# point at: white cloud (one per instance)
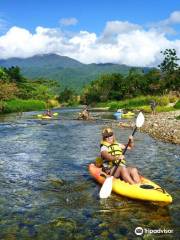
(120, 42)
(173, 18)
(118, 27)
(68, 21)
(166, 25)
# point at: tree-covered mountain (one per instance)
(67, 71)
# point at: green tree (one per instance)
(8, 91)
(14, 74)
(169, 64)
(170, 69)
(4, 77)
(151, 83)
(67, 95)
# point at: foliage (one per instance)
(173, 98)
(69, 72)
(51, 103)
(177, 105)
(8, 90)
(140, 103)
(117, 87)
(68, 96)
(170, 70)
(169, 64)
(130, 103)
(14, 85)
(19, 105)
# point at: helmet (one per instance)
(107, 132)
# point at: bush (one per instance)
(164, 109)
(163, 101)
(145, 109)
(53, 103)
(19, 105)
(172, 99)
(177, 105)
(130, 104)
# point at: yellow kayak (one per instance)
(46, 116)
(146, 190)
(128, 115)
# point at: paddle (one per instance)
(106, 188)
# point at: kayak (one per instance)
(46, 116)
(146, 190)
(128, 115)
(117, 115)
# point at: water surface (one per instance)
(46, 190)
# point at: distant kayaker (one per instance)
(85, 115)
(48, 113)
(111, 152)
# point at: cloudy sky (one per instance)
(131, 32)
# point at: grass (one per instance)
(19, 105)
(142, 103)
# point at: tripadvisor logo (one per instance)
(140, 231)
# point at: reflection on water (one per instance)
(47, 193)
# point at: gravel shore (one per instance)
(163, 126)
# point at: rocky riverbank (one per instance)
(163, 126)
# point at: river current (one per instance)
(46, 191)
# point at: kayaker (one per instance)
(111, 152)
(48, 113)
(85, 115)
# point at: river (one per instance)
(47, 192)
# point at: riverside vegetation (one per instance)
(132, 91)
(19, 94)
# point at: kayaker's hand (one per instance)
(131, 138)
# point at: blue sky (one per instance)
(90, 30)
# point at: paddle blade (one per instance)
(106, 188)
(140, 120)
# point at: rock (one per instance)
(163, 126)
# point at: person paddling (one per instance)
(111, 153)
(48, 113)
(85, 115)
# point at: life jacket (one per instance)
(115, 150)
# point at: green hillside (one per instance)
(68, 71)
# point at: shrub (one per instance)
(19, 105)
(163, 101)
(177, 105)
(164, 109)
(172, 99)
